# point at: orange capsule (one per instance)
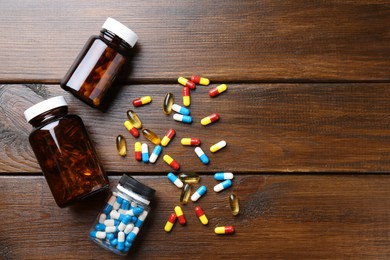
(186, 83)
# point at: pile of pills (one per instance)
(183, 181)
(119, 223)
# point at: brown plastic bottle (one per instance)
(64, 152)
(94, 71)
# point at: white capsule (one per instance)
(143, 215)
(109, 222)
(111, 229)
(129, 228)
(102, 218)
(114, 214)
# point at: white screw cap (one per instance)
(121, 30)
(44, 106)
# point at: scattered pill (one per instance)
(142, 101)
(182, 118)
(224, 230)
(218, 90)
(221, 176)
(186, 83)
(121, 145)
(134, 119)
(151, 136)
(168, 137)
(186, 96)
(190, 141)
(202, 156)
(181, 110)
(180, 215)
(175, 180)
(168, 102)
(199, 193)
(210, 119)
(171, 221)
(202, 217)
(155, 154)
(200, 80)
(218, 146)
(223, 185)
(145, 153)
(185, 194)
(133, 131)
(138, 151)
(190, 178)
(234, 204)
(171, 162)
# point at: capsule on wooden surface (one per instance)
(168, 102)
(151, 136)
(121, 145)
(234, 204)
(190, 178)
(185, 194)
(134, 119)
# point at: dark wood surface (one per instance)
(306, 119)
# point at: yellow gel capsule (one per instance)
(185, 194)
(234, 204)
(190, 178)
(151, 136)
(134, 119)
(218, 146)
(121, 145)
(168, 102)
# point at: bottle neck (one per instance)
(49, 116)
(115, 41)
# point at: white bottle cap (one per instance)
(44, 106)
(121, 30)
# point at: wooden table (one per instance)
(306, 118)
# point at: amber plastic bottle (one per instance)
(64, 152)
(94, 71)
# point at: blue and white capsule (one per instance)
(121, 241)
(202, 156)
(182, 118)
(223, 185)
(141, 219)
(117, 203)
(145, 152)
(155, 154)
(173, 178)
(221, 176)
(126, 220)
(134, 211)
(180, 110)
(130, 238)
(109, 205)
(199, 193)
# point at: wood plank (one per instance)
(268, 127)
(286, 216)
(230, 41)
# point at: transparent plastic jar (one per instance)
(119, 223)
(64, 152)
(94, 71)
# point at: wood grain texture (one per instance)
(295, 216)
(233, 41)
(268, 128)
